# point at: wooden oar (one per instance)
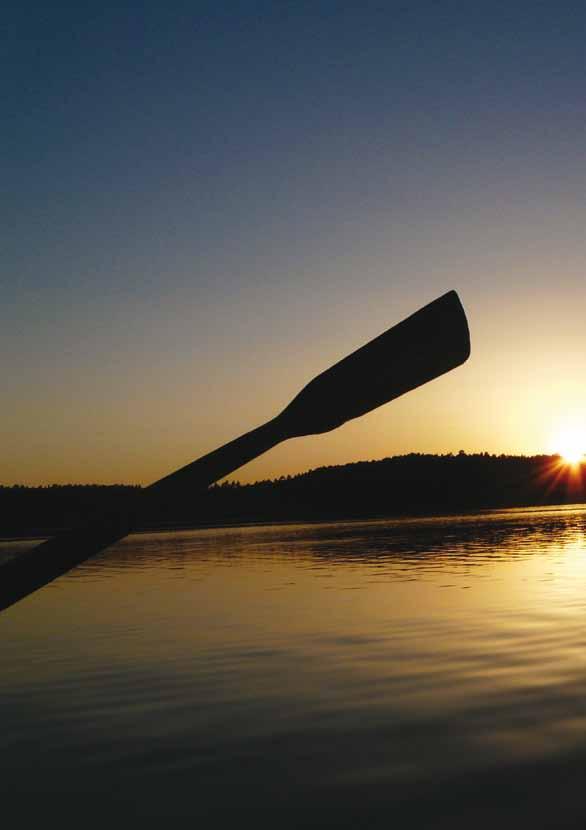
(432, 341)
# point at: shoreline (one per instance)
(46, 533)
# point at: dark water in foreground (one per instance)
(429, 672)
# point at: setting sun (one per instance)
(569, 441)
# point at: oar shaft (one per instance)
(42, 564)
(223, 461)
(45, 562)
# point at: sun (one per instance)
(571, 455)
(569, 441)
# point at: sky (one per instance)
(206, 204)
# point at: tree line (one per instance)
(412, 484)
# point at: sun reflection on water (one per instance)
(386, 655)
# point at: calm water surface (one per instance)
(429, 672)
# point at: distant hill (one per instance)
(400, 485)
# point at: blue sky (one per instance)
(206, 204)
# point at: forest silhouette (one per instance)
(414, 484)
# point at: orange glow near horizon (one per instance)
(509, 397)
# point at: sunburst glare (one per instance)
(569, 440)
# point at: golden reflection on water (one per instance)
(438, 645)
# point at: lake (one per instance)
(430, 672)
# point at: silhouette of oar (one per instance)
(432, 341)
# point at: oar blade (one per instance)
(420, 348)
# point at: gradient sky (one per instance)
(206, 204)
